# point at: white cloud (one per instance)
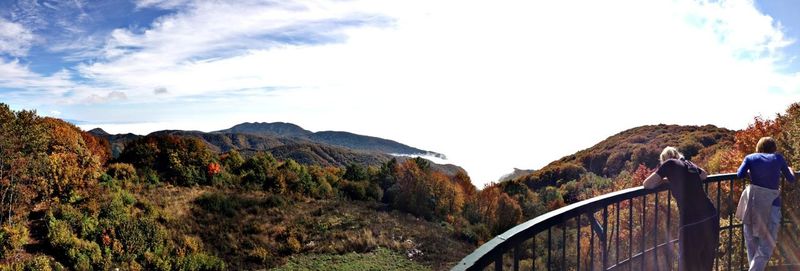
(163, 4)
(32, 89)
(206, 34)
(15, 39)
(17, 76)
(111, 96)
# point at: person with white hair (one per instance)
(699, 220)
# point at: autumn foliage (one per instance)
(746, 139)
(213, 169)
(66, 180)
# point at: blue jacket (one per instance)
(765, 170)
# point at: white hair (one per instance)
(670, 153)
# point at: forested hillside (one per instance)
(626, 151)
(169, 202)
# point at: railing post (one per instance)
(630, 234)
(533, 252)
(564, 245)
(730, 224)
(605, 238)
(549, 246)
(655, 233)
(644, 234)
(592, 223)
(669, 230)
(717, 262)
(617, 227)
(578, 243)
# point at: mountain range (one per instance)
(287, 140)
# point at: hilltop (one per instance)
(627, 150)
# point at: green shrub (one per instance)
(141, 235)
(12, 238)
(225, 178)
(82, 225)
(475, 233)
(355, 190)
(149, 176)
(223, 204)
(154, 261)
(105, 178)
(59, 234)
(275, 201)
(200, 262)
(374, 192)
(122, 171)
(42, 263)
(81, 254)
(356, 172)
(114, 211)
(323, 190)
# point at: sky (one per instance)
(494, 85)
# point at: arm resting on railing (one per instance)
(653, 181)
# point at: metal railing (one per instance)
(631, 229)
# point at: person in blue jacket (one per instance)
(765, 168)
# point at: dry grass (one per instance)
(249, 233)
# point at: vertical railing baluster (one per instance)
(669, 230)
(644, 214)
(564, 245)
(616, 226)
(517, 253)
(498, 262)
(605, 237)
(655, 233)
(578, 244)
(533, 251)
(591, 242)
(549, 244)
(730, 224)
(630, 234)
(719, 209)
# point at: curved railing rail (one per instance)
(587, 234)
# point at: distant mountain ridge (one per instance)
(99, 132)
(287, 140)
(268, 128)
(335, 138)
(515, 174)
(368, 143)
